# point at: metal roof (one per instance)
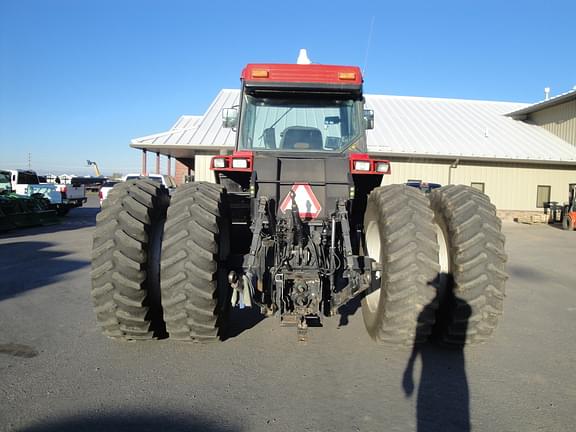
(195, 132)
(404, 126)
(456, 128)
(186, 122)
(538, 106)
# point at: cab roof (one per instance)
(294, 75)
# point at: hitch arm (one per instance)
(256, 238)
(360, 277)
(344, 223)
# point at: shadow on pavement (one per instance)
(27, 265)
(132, 422)
(557, 226)
(443, 399)
(241, 320)
(349, 309)
(526, 273)
(78, 218)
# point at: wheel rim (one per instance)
(374, 247)
(443, 256)
(443, 280)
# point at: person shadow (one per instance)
(443, 399)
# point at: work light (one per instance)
(362, 165)
(240, 163)
(382, 167)
(219, 162)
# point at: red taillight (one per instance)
(241, 161)
(100, 195)
(361, 163)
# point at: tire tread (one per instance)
(195, 305)
(410, 256)
(120, 286)
(478, 260)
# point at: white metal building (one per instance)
(520, 165)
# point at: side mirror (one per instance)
(229, 118)
(368, 119)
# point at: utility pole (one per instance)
(29, 161)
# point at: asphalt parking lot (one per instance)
(57, 373)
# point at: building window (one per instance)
(479, 186)
(542, 196)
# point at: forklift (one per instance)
(569, 211)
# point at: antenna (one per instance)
(365, 67)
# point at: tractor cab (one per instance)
(300, 129)
(300, 109)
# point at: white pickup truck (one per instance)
(165, 180)
(63, 197)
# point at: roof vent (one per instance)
(546, 93)
(303, 57)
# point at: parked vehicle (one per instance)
(569, 211)
(166, 180)
(297, 225)
(105, 189)
(21, 210)
(73, 195)
(91, 184)
(62, 197)
(423, 186)
(5, 181)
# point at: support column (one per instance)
(157, 163)
(169, 166)
(184, 168)
(144, 168)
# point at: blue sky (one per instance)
(80, 79)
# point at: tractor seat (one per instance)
(301, 138)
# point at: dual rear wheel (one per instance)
(158, 268)
(137, 295)
(443, 264)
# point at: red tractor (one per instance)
(298, 224)
(569, 211)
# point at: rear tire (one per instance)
(400, 235)
(195, 292)
(126, 261)
(476, 264)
